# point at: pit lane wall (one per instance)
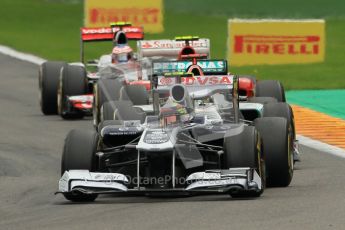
(275, 41)
(146, 13)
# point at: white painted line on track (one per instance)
(318, 145)
(21, 56)
(321, 146)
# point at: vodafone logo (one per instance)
(106, 30)
(279, 45)
(165, 81)
(96, 30)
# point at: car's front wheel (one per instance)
(79, 152)
(245, 150)
(277, 150)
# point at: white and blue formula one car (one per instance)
(192, 141)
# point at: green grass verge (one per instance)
(325, 101)
(50, 28)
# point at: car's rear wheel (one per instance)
(244, 150)
(107, 111)
(262, 100)
(106, 89)
(48, 78)
(274, 132)
(270, 88)
(137, 94)
(121, 110)
(79, 152)
(281, 109)
(73, 82)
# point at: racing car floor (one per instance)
(30, 152)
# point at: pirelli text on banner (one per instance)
(147, 13)
(254, 42)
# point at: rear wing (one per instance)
(170, 48)
(107, 34)
(209, 67)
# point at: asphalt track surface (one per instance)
(30, 152)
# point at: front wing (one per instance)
(231, 181)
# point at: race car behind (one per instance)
(66, 88)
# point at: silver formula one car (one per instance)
(107, 88)
(192, 141)
(262, 99)
(67, 88)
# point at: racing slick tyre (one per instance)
(137, 94)
(106, 89)
(270, 88)
(79, 152)
(125, 111)
(262, 100)
(245, 150)
(107, 111)
(277, 150)
(121, 110)
(72, 82)
(281, 109)
(48, 81)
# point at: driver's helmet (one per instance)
(121, 53)
(173, 113)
